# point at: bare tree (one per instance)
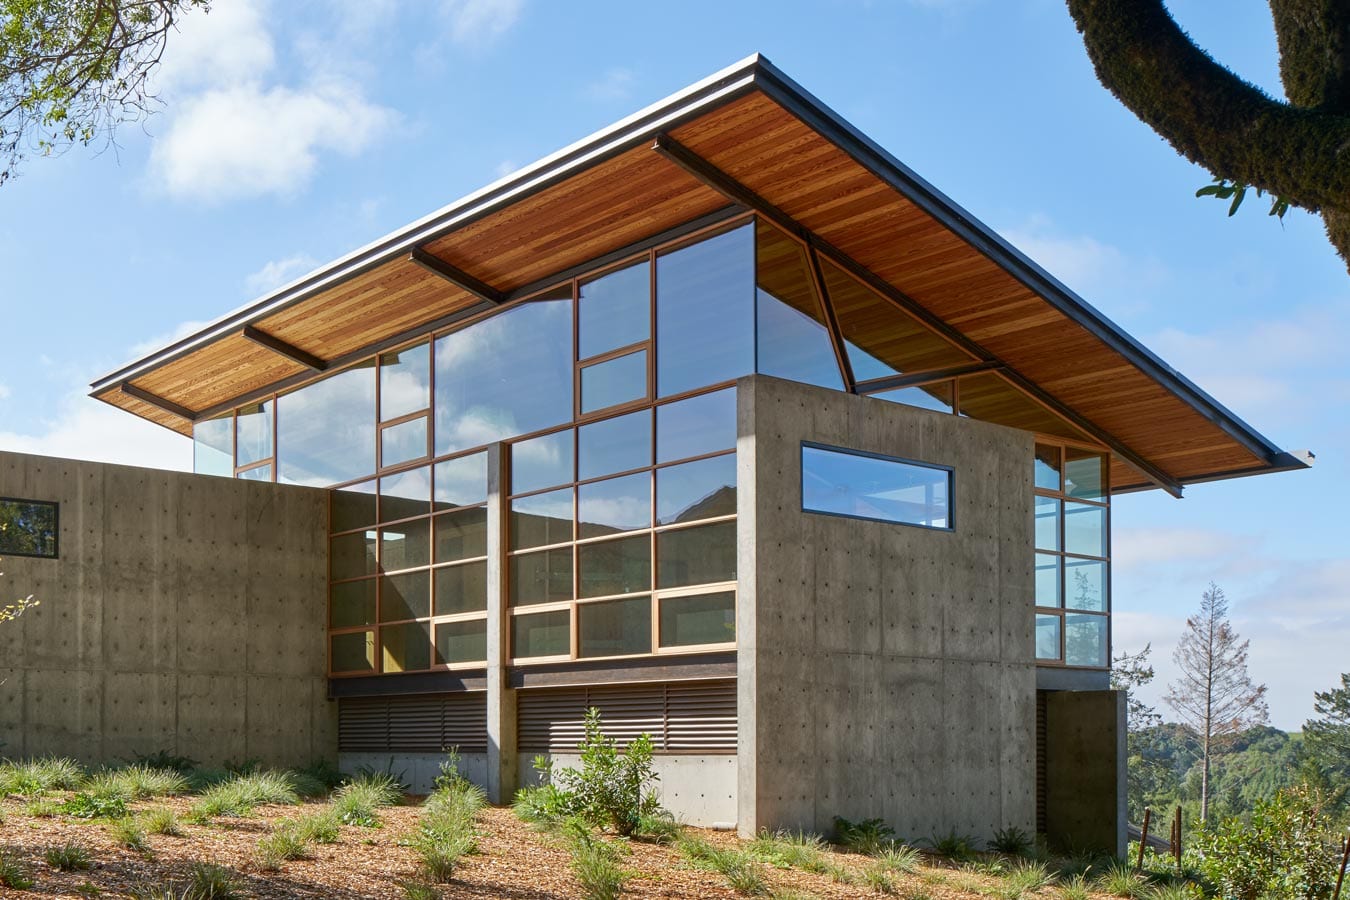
(1215, 696)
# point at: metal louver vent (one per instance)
(681, 717)
(418, 723)
(1040, 762)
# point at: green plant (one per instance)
(900, 857)
(286, 842)
(163, 759)
(1027, 876)
(323, 771)
(240, 795)
(1012, 841)
(1076, 888)
(42, 809)
(786, 849)
(659, 827)
(207, 881)
(87, 806)
(135, 782)
(37, 776)
(88, 889)
(162, 820)
(878, 878)
(248, 766)
(1181, 891)
(320, 827)
(128, 832)
(1120, 880)
(541, 805)
(14, 871)
(867, 836)
(958, 847)
(445, 830)
(612, 787)
(595, 864)
(742, 873)
(357, 800)
(307, 786)
(69, 857)
(419, 890)
(697, 850)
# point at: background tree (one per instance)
(1214, 697)
(1146, 773)
(1292, 150)
(71, 71)
(1326, 743)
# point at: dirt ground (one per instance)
(513, 861)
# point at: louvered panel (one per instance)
(683, 717)
(1041, 768)
(415, 723)
(419, 723)
(465, 723)
(363, 726)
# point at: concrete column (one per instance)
(747, 785)
(1085, 770)
(501, 699)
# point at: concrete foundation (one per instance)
(417, 770)
(884, 670)
(185, 613)
(1085, 761)
(698, 790)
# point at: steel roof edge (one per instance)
(933, 201)
(622, 135)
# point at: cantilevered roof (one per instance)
(747, 137)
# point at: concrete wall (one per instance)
(186, 613)
(698, 790)
(417, 770)
(1085, 770)
(884, 670)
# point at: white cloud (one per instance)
(506, 167)
(615, 84)
(4, 391)
(230, 43)
(278, 272)
(159, 341)
(478, 21)
(85, 428)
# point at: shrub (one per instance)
(1284, 850)
(162, 820)
(954, 846)
(1012, 841)
(14, 872)
(543, 805)
(37, 776)
(87, 806)
(612, 788)
(357, 800)
(867, 836)
(128, 832)
(69, 857)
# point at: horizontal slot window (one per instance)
(848, 483)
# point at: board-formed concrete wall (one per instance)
(884, 670)
(186, 613)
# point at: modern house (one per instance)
(721, 420)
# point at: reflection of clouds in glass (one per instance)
(414, 485)
(622, 513)
(557, 505)
(463, 481)
(403, 392)
(326, 430)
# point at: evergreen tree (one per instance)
(1215, 696)
(1326, 741)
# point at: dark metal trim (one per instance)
(873, 385)
(694, 667)
(157, 401)
(411, 683)
(718, 180)
(56, 528)
(456, 276)
(837, 341)
(280, 347)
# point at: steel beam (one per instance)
(280, 347)
(157, 401)
(456, 276)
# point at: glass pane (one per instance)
(868, 487)
(405, 382)
(403, 442)
(354, 506)
(352, 603)
(542, 634)
(405, 546)
(792, 340)
(505, 376)
(541, 519)
(213, 446)
(1047, 523)
(1047, 467)
(705, 554)
(257, 473)
(461, 534)
(704, 619)
(461, 589)
(615, 567)
(326, 430)
(405, 495)
(696, 490)
(29, 528)
(991, 399)
(406, 648)
(461, 642)
(1047, 637)
(1084, 529)
(619, 504)
(619, 380)
(1085, 584)
(542, 577)
(615, 311)
(705, 323)
(1085, 641)
(542, 462)
(697, 426)
(352, 555)
(353, 652)
(1048, 582)
(620, 628)
(462, 481)
(253, 433)
(405, 596)
(937, 397)
(881, 338)
(1084, 474)
(614, 445)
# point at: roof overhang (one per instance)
(746, 137)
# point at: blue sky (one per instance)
(296, 131)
